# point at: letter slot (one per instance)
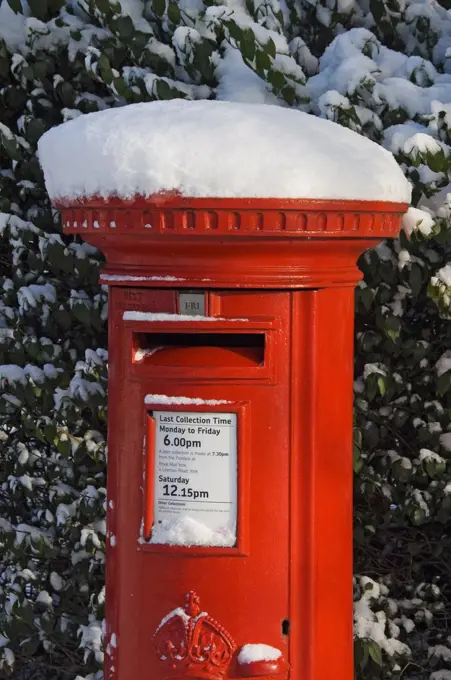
(234, 350)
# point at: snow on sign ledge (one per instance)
(151, 316)
(187, 531)
(165, 400)
(215, 149)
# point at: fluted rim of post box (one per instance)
(171, 214)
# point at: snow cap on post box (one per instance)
(215, 149)
(205, 194)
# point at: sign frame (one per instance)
(241, 547)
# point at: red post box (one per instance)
(230, 432)
(230, 354)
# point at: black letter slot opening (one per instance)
(199, 349)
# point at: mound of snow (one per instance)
(253, 653)
(215, 149)
(188, 531)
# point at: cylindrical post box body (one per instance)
(230, 432)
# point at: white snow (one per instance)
(181, 401)
(440, 651)
(427, 454)
(12, 28)
(13, 373)
(151, 316)
(188, 531)
(417, 220)
(91, 639)
(252, 653)
(444, 275)
(45, 598)
(79, 388)
(172, 614)
(238, 83)
(174, 146)
(126, 277)
(56, 581)
(180, 613)
(442, 674)
(445, 440)
(444, 363)
(26, 482)
(9, 656)
(377, 368)
(372, 625)
(142, 353)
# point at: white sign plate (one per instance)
(195, 495)
(192, 304)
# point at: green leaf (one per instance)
(164, 91)
(392, 327)
(234, 30)
(371, 435)
(66, 94)
(277, 79)
(247, 44)
(437, 161)
(443, 383)
(75, 34)
(365, 296)
(63, 446)
(419, 516)
(375, 652)
(262, 61)
(289, 94)
(174, 13)
(11, 147)
(39, 9)
(35, 129)
(105, 69)
(120, 86)
(435, 468)
(29, 647)
(271, 48)
(357, 461)
(381, 385)
(124, 26)
(361, 652)
(377, 10)
(159, 7)
(415, 278)
(16, 6)
(103, 6)
(47, 621)
(82, 313)
(400, 472)
(26, 613)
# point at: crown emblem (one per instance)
(193, 645)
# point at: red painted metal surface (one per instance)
(284, 270)
(190, 643)
(173, 242)
(277, 670)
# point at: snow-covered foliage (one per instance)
(382, 69)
